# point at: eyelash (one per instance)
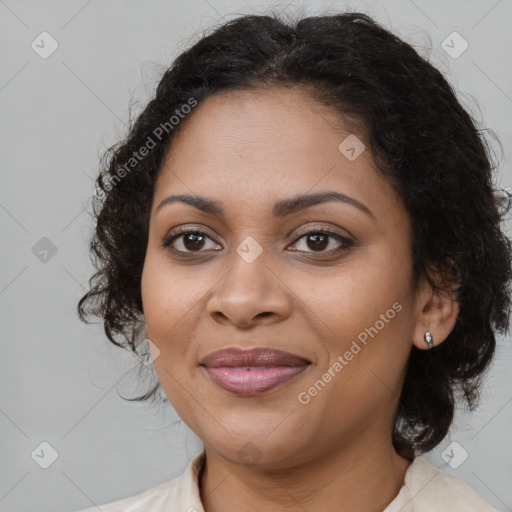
(345, 242)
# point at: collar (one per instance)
(188, 497)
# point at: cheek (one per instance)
(158, 288)
(167, 313)
(171, 300)
(362, 314)
(163, 301)
(365, 332)
(354, 296)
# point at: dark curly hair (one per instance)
(421, 138)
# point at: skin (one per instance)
(249, 150)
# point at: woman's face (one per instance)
(254, 278)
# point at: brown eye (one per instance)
(318, 240)
(188, 241)
(193, 241)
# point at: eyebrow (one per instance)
(280, 209)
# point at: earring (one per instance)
(429, 339)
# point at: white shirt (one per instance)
(426, 489)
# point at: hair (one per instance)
(423, 141)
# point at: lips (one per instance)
(252, 372)
(254, 357)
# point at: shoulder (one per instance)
(428, 488)
(179, 494)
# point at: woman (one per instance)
(302, 223)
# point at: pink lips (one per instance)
(250, 372)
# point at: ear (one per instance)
(436, 311)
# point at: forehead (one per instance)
(260, 145)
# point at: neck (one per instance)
(362, 478)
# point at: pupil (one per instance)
(318, 245)
(196, 239)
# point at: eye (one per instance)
(319, 239)
(191, 240)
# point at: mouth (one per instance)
(252, 372)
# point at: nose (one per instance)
(250, 294)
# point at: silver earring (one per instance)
(429, 339)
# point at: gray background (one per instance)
(60, 380)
